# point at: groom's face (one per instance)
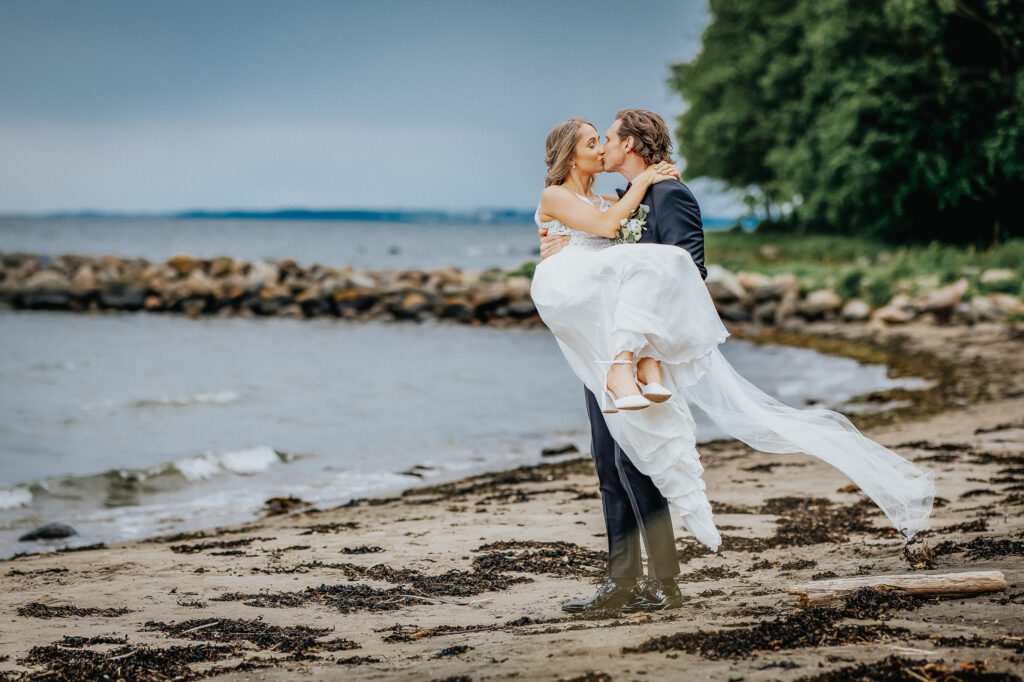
(614, 149)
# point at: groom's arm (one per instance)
(679, 220)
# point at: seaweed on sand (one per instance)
(128, 663)
(529, 556)
(37, 610)
(897, 669)
(263, 635)
(812, 627)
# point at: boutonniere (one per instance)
(632, 227)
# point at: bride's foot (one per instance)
(648, 373)
(621, 388)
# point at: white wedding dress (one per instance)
(599, 299)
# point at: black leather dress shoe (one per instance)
(654, 595)
(610, 595)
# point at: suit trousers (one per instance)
(633, 508)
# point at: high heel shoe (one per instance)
(610, 404)
(654, 391)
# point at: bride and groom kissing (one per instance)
(621, 286)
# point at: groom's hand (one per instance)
(549, 246)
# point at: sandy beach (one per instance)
(463, 580)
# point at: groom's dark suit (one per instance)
(632, 504)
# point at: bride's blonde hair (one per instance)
(559, 149)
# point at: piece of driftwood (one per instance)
(948, 584)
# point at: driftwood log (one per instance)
(948, 584)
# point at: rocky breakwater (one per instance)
(224, 286)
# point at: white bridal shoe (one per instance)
(655, 392)
(610, 404)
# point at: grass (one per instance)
(860, 268)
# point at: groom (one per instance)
(633, 506)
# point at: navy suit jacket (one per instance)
(674, 218)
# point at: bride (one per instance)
(616, 307)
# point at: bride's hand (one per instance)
(665, 171)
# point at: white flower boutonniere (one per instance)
(632, 227)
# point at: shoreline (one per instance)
(465, 578)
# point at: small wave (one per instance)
(246, 462)
(15, 497)
(205, 398)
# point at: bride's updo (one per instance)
(559, 149)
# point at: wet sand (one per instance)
(464, 580)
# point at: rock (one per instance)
(448, 276)
(46, 289)
(856, 310)
(785, 284)
(355, 300)
(769, 251)
(942, 302)
(222, 265)
(723, 285)
(153, 302)
(522, 309)
(820, 303)
(488, 296)
(84, 282)
(518, 288)
(362, 279)
(892, 314)
(733, 312)
(198, 283)
(751, 281)
(1006, 304)
(787, 306)
(559, 450)
(184, 264)
(261, 273)
(51, 531)
(457, 307)
(193, 307)
(411, 306)
(984, 310)
(997, 275)
(765, 312)
(123, 296)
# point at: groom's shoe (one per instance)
(610, 595)
(654, 595)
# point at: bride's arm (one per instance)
(558, 202)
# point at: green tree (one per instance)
(896, 119)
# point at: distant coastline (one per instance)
(483, 216)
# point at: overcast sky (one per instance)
(147, 105)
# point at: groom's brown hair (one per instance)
(651, 140)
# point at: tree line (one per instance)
(901, 120)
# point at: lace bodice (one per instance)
(577, 238)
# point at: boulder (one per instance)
(522, 309)
(184, 264)
(733, 312)
(892, 314)
(856, 310)
(124, 296)
(997, 275)
(788, 306)
(942, 302)
(757, 286)
(221, 265)
(356, 299)
(362, 279)
(723, 285)
(51, 531)
(198, 283)
(1006, 304)
(518, 288)
(448, 276)
(261, 273)
(785, 284)
(765, 312)
(457, 307)
(46, 289)
(84, 282)
(820, 303)
(411, 306)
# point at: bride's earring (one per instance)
(574, 165)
